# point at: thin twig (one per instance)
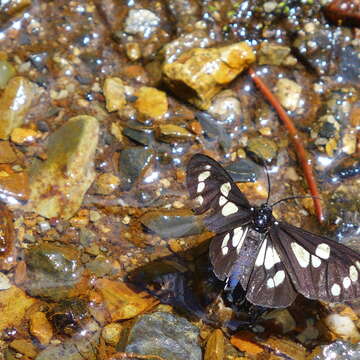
(304, 160)
(123, 355)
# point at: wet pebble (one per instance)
(105, 184)
(21, 136)
(151, 102)
(114, 93)
(262, 148)
(141, 136)
(243, 170)
(338, 350)
(141, 22)
(111, 333)
(172, 224)
(165, 335)
(134, 161)
(40, 327)
(275, 54)
(288, 92)
(7, 154)
(174, 133)
(7, 71)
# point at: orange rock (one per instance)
(40, 327)
(24, 347)
(245, 341)
(7, 154)
(121, 301)
(24, 136)
(151, 102)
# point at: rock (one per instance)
(134, 161)
(121, 301)
(133, 51)
(343, 326)
(141, 136)
(287, 348)
(288, 92)
(100, 266)
(245, 341)
(53, 271)
(141, 22)
(111, 333)
(151, 102)
(172, 223)
(105, 184)
(262, 148)
(24, 347)
(171, 133)
(243, 170)
(23, 136)
(7, 71)
(226, 108)
(7, 241)
(4, 282)
(164, 335)
(215, 346)
(283, 318)
(114, 93)
(275, 54)
(338, 350)
(14, 188)
(7, 154)
(349, 143)
(199, 74)
(13, 303)
(80, 348)
(59, 183)
(15, 102)
(40, 327)
(12, 7)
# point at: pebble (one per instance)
(289, 93)
(4, 282)
(111, 333)
(141, 22)
(262, 148)
(151, 102)
(40, 327)
(22, 136)
(343, 326)
(133, 51)
(7, 71)
(114, 93)
(105, 184)
(173, 133)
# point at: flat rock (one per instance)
(165, 335)
(59, 183)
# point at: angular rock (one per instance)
(59, 183)
(151, 102)
(114, 93)
(134, 161)
(40, 327)
(262, 148)
(338, 350)
(15, 102)
(199, 74)
(288, 92)
(121, 301)
(7, 154)
(172, 223)
(164, 335)
(141, 22)
(215, 346)
(171, 133)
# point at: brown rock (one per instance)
(40, 327)
(114, 93)
(24, 347)
(199, 74)
(245, 341)
(121, 301)
(151, 102)
(15, 186)
(105, 184)
(215, 346)
(7, 154)
(24, 136)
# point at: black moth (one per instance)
(272, 260)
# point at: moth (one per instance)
(272, 260)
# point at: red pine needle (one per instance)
(305, 162)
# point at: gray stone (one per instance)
(166, 335)
(141, 22)
(339, 350)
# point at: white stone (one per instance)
(343, 326)
(288, 92)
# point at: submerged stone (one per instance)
(59, 183)
(7, 71)
(243, 170)
(174, 133)
(173, 223)
(199, 74)
(165, 335)
(262, 148)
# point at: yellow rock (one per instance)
(114, 93)
(151, 102)
(40, 327)
(199, 74)
(22, 136)
(215, 346)
(13, 304)
(24, 347)
(121, 301)
(14, 104)
(111, 333)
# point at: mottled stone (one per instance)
(134, 161)
(343, 326)
(123, 302)
(172, 223)
(59, 183)
(114, 93)
(199, 74)
(174, 133)
(262, 148)
(111, 333)
(53, 271)
(289, 93)
(164, 335)
(141, 22)
(15, 102)
(13, 304)
(105, 184)
(151, 102)
(338, 350)
(275, 54)
(226, 108)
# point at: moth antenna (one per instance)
(295, 197)
(268, 182)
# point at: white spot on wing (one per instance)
(241, 240)
(279, 277)
(238, 232)
(346, 282)
(229, 209)
(261, 255)
(222, 200)
(336, 289)
(225, 189)
(323, 251)
(357, 263)
(270, 283)
(225, 240)
(199, 200)
(207, 167)
(353, 273)
(271, 258)
(302, 255)
(200, 187)
(224, 250)
(204, 175)
(315, 261)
